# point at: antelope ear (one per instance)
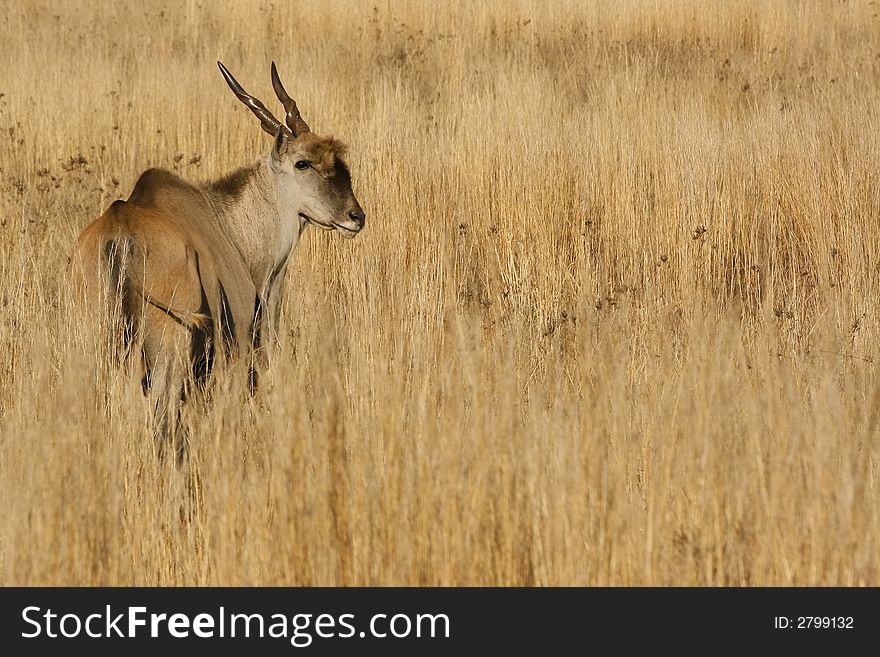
(279, 148)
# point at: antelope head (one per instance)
(312, 179)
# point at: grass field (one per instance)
(614, 318)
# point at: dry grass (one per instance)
(614, 319)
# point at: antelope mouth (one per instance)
(347, 232)
(309, 220)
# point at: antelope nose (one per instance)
(358, 216)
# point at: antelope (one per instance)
(196, 273)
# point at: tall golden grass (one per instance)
(613, 320)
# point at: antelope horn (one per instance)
(268, 122)
(294, 120)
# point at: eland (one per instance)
(195, 273)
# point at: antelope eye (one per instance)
(302, 164)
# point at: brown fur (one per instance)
(233, 184)
(187, 291)
(322, 152)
